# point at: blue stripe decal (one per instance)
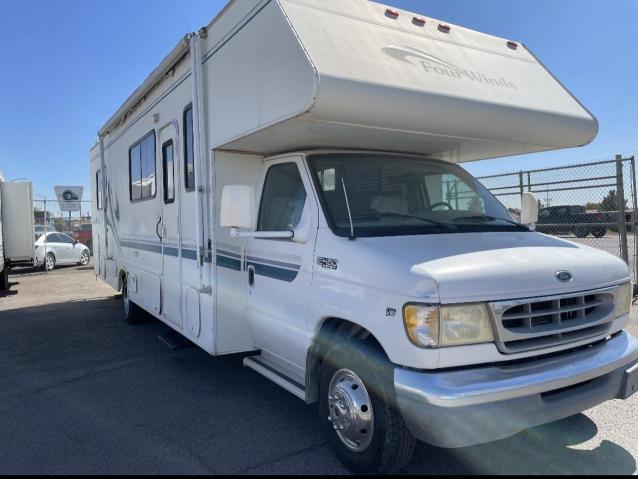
(153, 248)
(189, 254)
(229, 263)
(273, 272)
(271, 262)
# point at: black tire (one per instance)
(581, 232)
(133, 314)
(391, 446)
(599, 232)
(49, 262)
(4, 278)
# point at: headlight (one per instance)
(624, 296)
(430, 326)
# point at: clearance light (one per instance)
(390, 12)
(444, 28)
(512, 45)
(418, 21)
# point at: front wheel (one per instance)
(84, 258)
(357, 411)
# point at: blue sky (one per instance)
(69, 64)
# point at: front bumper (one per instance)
(482, 404)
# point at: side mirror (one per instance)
(238, 207)
(529, 209)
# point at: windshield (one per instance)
(381, 195)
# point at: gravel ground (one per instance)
(83, 392)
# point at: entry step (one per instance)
(272, 370)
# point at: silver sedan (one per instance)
(60, 249)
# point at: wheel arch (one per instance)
(331, 331)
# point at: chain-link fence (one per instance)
(591, 203)
(76, 224)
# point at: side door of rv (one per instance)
(170, 225)
(279, 272)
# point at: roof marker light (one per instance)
(512, 45)
(418, 21)
(390, 12)
(444, 28)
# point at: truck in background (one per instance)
(16, 227)
(574, 219)
(287, 183)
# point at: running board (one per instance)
(270, 370)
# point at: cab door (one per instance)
(170, 227)
(279, 272)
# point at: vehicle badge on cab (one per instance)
(564, 276)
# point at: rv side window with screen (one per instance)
(168, 172)
(98, 189)
(283, 198)
(142, 168)
(189, 155)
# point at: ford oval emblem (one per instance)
(564, 276)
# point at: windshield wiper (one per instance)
(412, 217)
(487, 218)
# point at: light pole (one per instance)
(46, 270)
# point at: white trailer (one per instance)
(287, 182)
(16, 227)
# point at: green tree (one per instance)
(610, 202)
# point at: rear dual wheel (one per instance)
(358, 412)
(133, 314)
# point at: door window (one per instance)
(168, 172)
(65, 239)
(283, 198)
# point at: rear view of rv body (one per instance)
(293, 109)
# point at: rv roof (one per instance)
(372, 77)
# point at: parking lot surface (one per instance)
(83, 392)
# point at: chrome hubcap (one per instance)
(85, 258)
(350, 410)
(50, 262)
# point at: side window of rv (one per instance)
(189, 147)
(283, 198)
(168, 171)
(98, 189)
(142, 168)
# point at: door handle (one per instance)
(159, 222)
(251, 275)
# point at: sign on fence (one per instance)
(69, 197)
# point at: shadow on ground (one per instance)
(83, 392)
(546, 450)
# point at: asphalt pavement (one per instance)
(81, 391)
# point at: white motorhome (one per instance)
(287, 182)
(16, 226)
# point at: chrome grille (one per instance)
(528, 324)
